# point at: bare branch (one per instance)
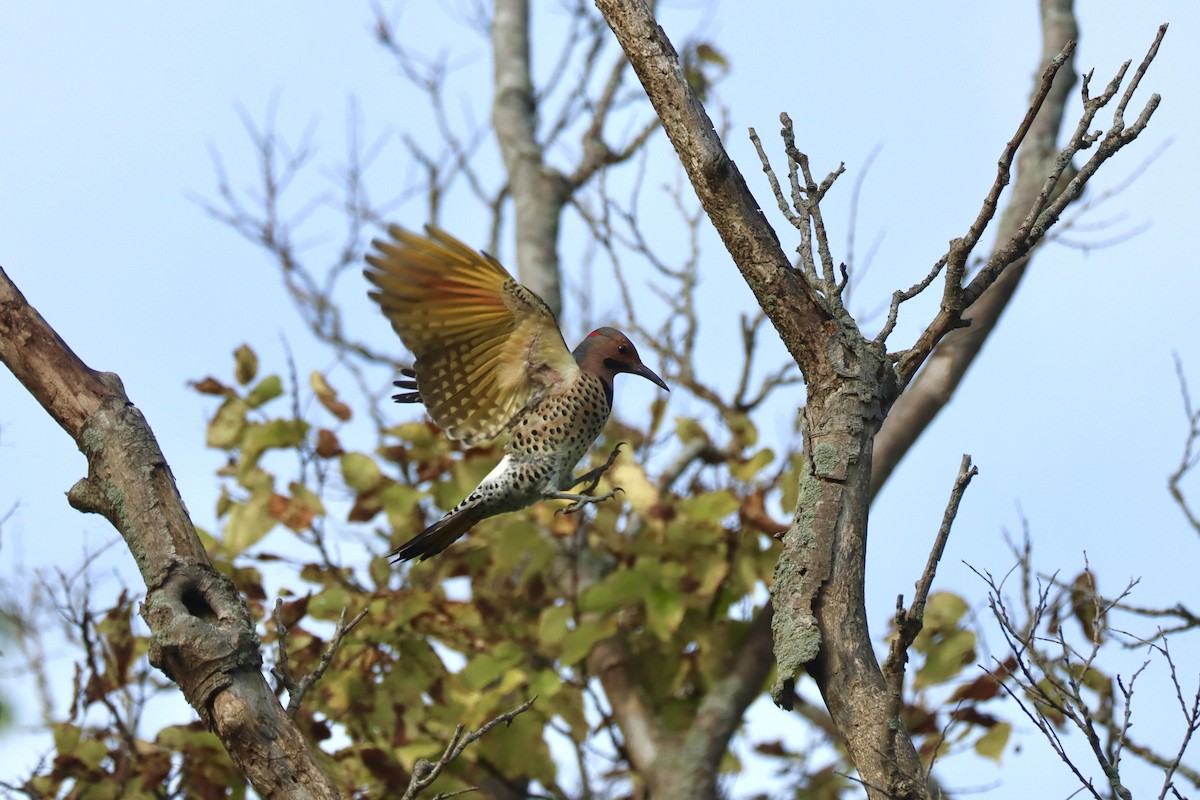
(1046, 182)
(282, 671)
(1191, 450)
(954, 298)
(425, 772)
(909, 623)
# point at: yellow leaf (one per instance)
(709, 506)
(248, 523)
(637, 488)
(991, 744)
(360, 472)
(578, 643)
(225, 429)
(328, 396)
(748, 470)
(943, 611)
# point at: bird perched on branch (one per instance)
(489, 358)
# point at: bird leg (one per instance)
(578, 501)
(592, 479)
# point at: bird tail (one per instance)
(438, 536)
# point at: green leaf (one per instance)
(711, 573)
(711, 55)
(617, 590)
(329, 603)
(991, 744)
(183, 738)
(789, 483)
(245, 364)
(945, 657)
(417, 434)
(546, 684)
(520, 749)
(553, 624)
(66, 737)
(578, 643)
(743, 429)
(360, 472)
(276, 434)
(943, 611)
(248, 523)
(709, 506)
(485, 668)
(664, 610)
(225, 429)
(749, 469)
(688, 430)
(267, 389)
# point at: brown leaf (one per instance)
(97, 687)
(395, 453)
(328, 445)
(753, 512)
(986, 686)
(328, 396)
(154, 765)
(294, 610)
(366, 506)
(1084, 606)
(210, 385)
(974, 716)
(296, 516)
(772, 748)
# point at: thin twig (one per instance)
(425, 773)
(282, 671)
(910, 622)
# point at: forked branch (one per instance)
(1047, 207)
(426, 772)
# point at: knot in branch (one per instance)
(202, 633)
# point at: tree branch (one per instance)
(283, 673)
(819, 619)
(1046, 183)
(909, 623)
(425, 773)
(790, 303)
(610, 662)
(204, 638)
(538, 192)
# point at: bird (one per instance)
(489, 358)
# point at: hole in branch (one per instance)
(196, 604)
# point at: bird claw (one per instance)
(582, 500)
(592, 477)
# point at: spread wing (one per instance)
(485, 346)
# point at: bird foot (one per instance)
(578, 501)
(592, 477)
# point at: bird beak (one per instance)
(648, 374)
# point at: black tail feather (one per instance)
(438, 536)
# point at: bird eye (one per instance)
(623, 349)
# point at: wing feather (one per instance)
(485, 345)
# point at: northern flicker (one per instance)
(490, 358)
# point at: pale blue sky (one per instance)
(1072, 414)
